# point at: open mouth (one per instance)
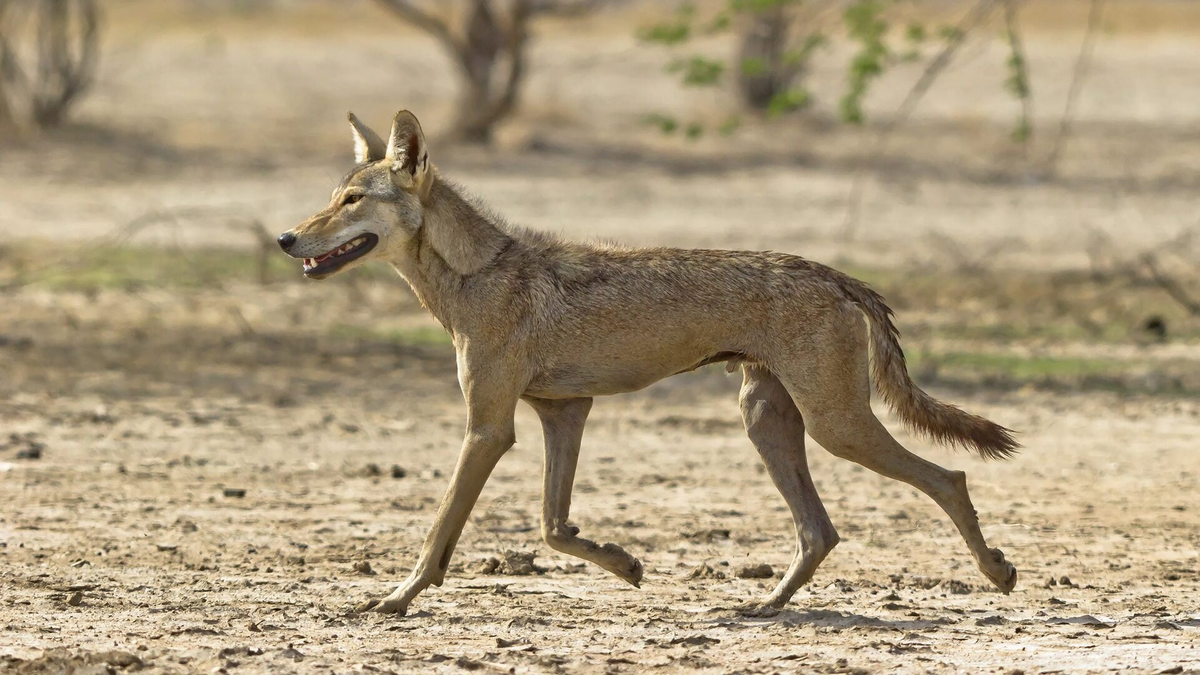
(331, 262)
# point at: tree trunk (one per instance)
(7, 122)
(67, 51)
(489, 53)
(470, 125)
(762, 69)
(477, 60)
(483, 101)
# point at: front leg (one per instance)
(562, 427)
(489, 435)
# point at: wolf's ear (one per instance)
(368, 146)
(408, 155)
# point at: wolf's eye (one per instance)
(351, 199)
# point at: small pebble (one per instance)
(760, 571)
(487, 566)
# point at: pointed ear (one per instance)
(408, 154)
(368, 146)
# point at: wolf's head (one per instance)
(379, 204)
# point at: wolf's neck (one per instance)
(456, 243)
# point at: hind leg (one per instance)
(861, 438)
(832, 391)
(776, 429)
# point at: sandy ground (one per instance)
(168, 403)
(132, 418)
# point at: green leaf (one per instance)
(811, 44)
(1022, 132)
(754, 67)
(673, 32)
(788, 101)
(668, 34)
(759, 6)
(850, 109)
(866, 26)
(916, 33)
(698, 71)
(729, 126)
(949, 33)
(720, 23)
(665, 123)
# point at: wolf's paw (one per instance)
(633, 574)
(385, 606)
(623, 565)
(1001, 572)
(760, 609)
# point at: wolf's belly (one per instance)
(616, 375)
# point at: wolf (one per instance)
(556, 323)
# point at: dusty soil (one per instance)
(148, 407)
(198, 473)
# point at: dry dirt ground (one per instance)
(148, 407)
(144, 389)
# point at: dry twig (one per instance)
(1083, 65)
(974, 18)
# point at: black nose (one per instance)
(286, 240)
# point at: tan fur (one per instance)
(556, 323)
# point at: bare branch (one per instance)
(489, 49)
(12, 74)
(975, 17)
(1170, 285)
(423, 20)
(6, 117)
(1083, 65)
(1016, 45)
(573, 8)
(120, 235)
(266, 249)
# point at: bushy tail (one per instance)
(942, 422)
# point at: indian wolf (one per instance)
(556, 323)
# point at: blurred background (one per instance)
(1009, 172)
(1017, 177)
